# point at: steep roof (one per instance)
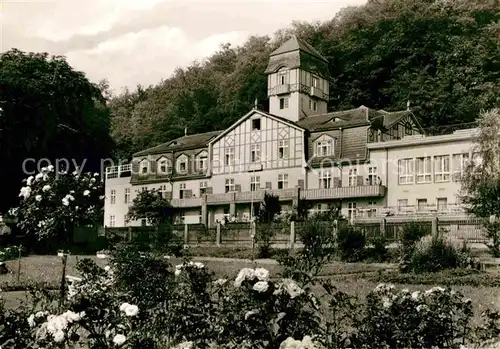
(353, 117)
(295, 44)
(199, 140)
(344, 118)
(296, 53)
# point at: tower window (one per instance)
(255, 124)
(315, 106)
(283, 103)
(282, 78)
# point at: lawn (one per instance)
(354, 278)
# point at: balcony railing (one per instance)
(401, 211)
(248, 196)
(284, 195)
(281, 89)
(191, 202)
(344, 192)
(220, 198)
(119, 171)
(315, 91)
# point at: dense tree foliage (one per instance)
(441, 55)
(48, 110)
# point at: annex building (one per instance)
(370, 162)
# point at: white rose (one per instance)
(38, 198)
(58, 336)
(119, 339)
(261, 286)
(46, 187)
(29, 180)
(86, 193)
(262, 274)
(31, 320)
(131, 310)
(244, 274)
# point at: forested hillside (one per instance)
(441, 55)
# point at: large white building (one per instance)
(367, 161)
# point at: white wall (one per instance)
(412, 192)
(119, 209)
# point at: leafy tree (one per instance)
(152, 206)
(268, 209)
(481, 182)
(158, 212)
(48, 110)
(54, 202)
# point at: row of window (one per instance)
(230, 186)
(354, 179)
(255, 183)
(422, 205)
(283, 79)
(323, 147)
(443, 168)
(255, 152)
(164, 165)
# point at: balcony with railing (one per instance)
(316, 92)
(118, 171)
(362, 191)
(401, 211)
(189, 202)
(282, 89)
(224, 198)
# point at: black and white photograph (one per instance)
(263, 174)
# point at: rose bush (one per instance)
(142, 301)
(54, 202)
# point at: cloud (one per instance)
(132, 42)
(147, 56)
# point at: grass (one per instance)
(43, 271)
(354, 278)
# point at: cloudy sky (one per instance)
(132, 42)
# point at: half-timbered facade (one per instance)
(297, 150)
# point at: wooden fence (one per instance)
(240, 234)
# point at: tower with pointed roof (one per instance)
(297, 81)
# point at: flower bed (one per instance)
(139, 300)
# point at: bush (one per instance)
(350, 243)
(411, 234)
(436, 254)
(319, 247)
(263, 236)
(379, 251)
(493, 233)
(140, 301)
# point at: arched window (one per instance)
(202, 161)
(164, 166)
(144, 167)
(182, 164)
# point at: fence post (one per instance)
(382, 226)
(217, 236)
(186, 235)
(435, 227)
(292, 235)
(335, 229)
